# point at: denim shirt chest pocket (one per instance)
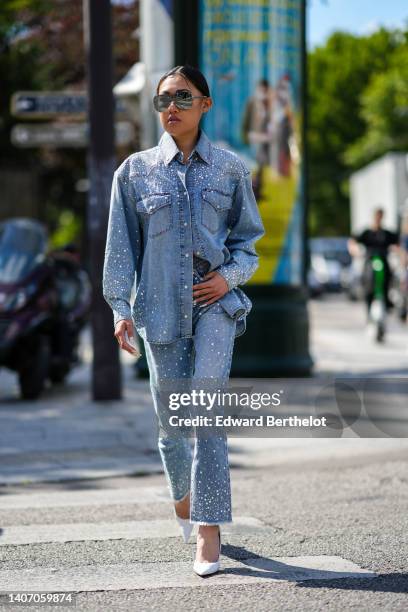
(215, 206)
(156, 213)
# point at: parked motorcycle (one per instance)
(45, 300)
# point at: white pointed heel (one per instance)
(203, 568)
(186, 526)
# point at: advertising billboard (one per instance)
(251, 54)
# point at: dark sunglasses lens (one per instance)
(161, 102)
(183, 94)
(184, 102)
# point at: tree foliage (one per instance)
(42, 49)
(384, 109)
(357, 107)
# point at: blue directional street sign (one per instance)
(48, 105)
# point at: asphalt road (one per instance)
(317, 523)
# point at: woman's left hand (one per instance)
(210, 289)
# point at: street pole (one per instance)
(305, 154)
(106, 372)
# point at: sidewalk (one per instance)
(65, 435)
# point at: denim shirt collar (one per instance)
(169, 149)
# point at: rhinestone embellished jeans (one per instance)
(205, 472)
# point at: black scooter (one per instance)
(45, 300)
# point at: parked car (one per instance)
(352, 279)
(314, 286)
(329, 261)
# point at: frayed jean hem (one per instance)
(211, 524)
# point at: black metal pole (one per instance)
(186, 26)
(305, 167)
(106, 372)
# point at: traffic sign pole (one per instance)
(106, 372)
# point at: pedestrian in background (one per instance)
(377, 242)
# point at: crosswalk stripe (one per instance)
(178, 574)
(127, 530)
(96, 497)
(57, 471)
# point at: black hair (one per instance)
(194, 75)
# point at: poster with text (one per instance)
(251, 55)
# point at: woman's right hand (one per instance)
(120, 328)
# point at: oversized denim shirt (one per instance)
(156, 221)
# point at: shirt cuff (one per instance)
(229, 274)
(121, 313)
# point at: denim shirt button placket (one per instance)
(187, 324)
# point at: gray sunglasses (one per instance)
(182, 99)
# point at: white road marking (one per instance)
(95, 497)
(127, 530)
(177, 574)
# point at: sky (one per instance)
(356, 16)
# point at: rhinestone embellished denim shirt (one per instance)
(157, 220)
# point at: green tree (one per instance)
(41, 48)
(384, 109)
(338, 74)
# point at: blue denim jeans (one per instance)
(207, 355)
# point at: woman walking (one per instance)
(183, 218)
